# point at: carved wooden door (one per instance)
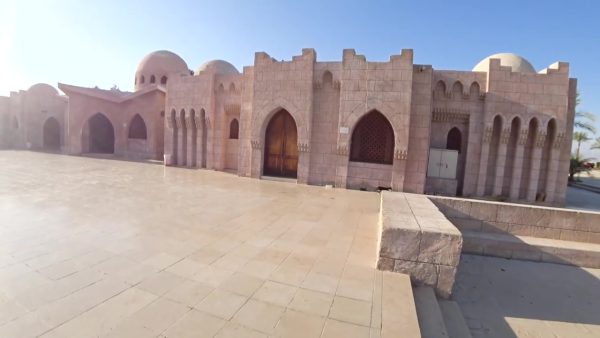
(281, 146)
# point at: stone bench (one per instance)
(418, 240)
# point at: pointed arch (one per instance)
(474, 90)
(221, 88)
(152, 79)
(234, 129)
(457, 90)
(440, 90)
(327, 78)
(493, 155)
(232, 87)
(137, 128)
(372, 139)
(175, 136)
(281, 146)
(546, 160)
(51, 134)
(101, 134)
(511, 152)
(454, 140)
(163, 80)
(527, 157)
(142, 79)
(184, 134)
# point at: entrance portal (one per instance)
(281, 146)
(51, 134)
(102, 135)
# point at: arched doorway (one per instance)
(51, 134)
(102, 135)
(454, 140)
(372, 140)
(281, 146)
(137, 128)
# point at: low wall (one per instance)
(417, 239)
(369, 176)
(521, 220)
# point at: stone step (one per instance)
(532, 248)
(430, 316)
(454, 320)
(398, 311)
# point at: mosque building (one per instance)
(501, 131)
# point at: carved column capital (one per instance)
(401, 154)
(303, 147)
(487, 134)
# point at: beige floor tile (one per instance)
(320, 282)
(241, 284)
(212, 276)
(351, 311)
(312, 302)
(159, 315)
(161, 283)
(10, 310)
(336, 329)
(356, 289)
(259, 316)
(222, 304)
(185, 268)
(161, 260)
(28, 325)
(289, 275)
(195, 324)
(275, 293)
(189, 292)
(295, 324)
(233, 330)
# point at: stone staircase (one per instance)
(438, 318)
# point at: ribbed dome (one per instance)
(158, 64)
(220, 67)
(517, 63)
(42, 89)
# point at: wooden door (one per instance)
(281, 146)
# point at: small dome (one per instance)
(517, 63)
(218, 67)
(43, 89)
(158, 64)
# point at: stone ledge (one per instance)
(532, 249)
(418, 240)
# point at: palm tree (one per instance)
(584, 120)
(577, 165)
(580, 137)
(596, 144)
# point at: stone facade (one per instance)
(353, 124)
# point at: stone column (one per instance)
(303, 163)
(485, 151)
(181, 140)
(515, 183)
(209, 144)
(199, 121)
(399, 169)
(256, 159)
(552, 173)
(536, 162)
(190, 126)
(501, 162)
(341, 172)
(168, 143)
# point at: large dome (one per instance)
(516, 62)
(42, 89)
(159, 64)
(220, 67)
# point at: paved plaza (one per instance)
(103, 248)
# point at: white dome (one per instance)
(42, 89)
(158, 64)
(220, 67)
(517, 63)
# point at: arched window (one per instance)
(327, 77)
(232, 87)
(440, 90)
(372, 140)
(457, 90)
(152, 79)
(221, 88)
(137, 128)
(454, 139)
(234, 129)
(142, 79)
(163, 80)
(474, 90)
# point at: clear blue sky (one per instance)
(100, 43)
